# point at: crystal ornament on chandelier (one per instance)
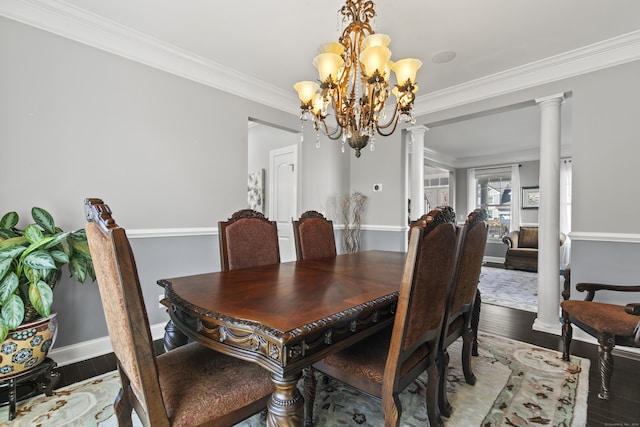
(355, 76)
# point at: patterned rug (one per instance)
(510, 288)
(518, 384)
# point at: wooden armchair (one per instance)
(463, 302)
(313, 236)
(189, 386)
(611, 324)
(383, 364)
(248, 239)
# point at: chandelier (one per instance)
(355, 76)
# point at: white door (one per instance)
(283, 183)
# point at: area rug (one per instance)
(517, 384)
(510, 288)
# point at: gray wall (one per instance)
(162, 151)
(169, 153)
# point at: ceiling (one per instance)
(274, 42)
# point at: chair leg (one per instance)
(391, 410)
(467, 348)
(443, 368)
(123, 409)
(309, 394)
(122, 406)
(605, 360)
(475, 321)
(433, 381)
(567, 334)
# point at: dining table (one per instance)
(287, 316)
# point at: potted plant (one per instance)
(31, 261)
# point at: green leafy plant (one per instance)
(31, 260)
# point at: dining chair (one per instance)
(385, 363)
(313, 236)
(248, 239)
(611, 324)
(189, 386)
(463, 303)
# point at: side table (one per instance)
(40, 378)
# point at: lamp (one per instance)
(355, 76)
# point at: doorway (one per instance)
(283, 184)
(280, 201)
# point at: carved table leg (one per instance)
(286, 406)
(173, 337)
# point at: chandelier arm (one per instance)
(394, 119)
(331, 135)
(395, 124)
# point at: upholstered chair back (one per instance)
(463, 302)
(123, 304)
(313, 235)
(188, 386)
(385, 363)
(471, 254)
(248, 239)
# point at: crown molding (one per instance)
(74, 23)
(608, 53)
(68, 21)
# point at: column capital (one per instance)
(417, 129)
(556, 97)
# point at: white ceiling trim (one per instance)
(608, 53)
(76, 24)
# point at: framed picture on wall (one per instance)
(530, 197)
(255, 196)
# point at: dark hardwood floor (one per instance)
(623, 409)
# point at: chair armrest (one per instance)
(511, 239)
(633, 308)
(591, 289)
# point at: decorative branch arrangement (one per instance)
(352, 209)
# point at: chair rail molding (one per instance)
(144, 233)
(604, 237)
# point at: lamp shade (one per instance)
(328, 64)
(375, 58)
(375, 40)
(306, 90)
(331, 47)
(406, 69)
(317, 105)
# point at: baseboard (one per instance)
(93, 348)
(494, 259)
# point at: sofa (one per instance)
(522, 249)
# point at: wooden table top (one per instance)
(286, 297)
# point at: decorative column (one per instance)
(548, 319)
(416, 133)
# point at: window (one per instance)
(493, 192)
